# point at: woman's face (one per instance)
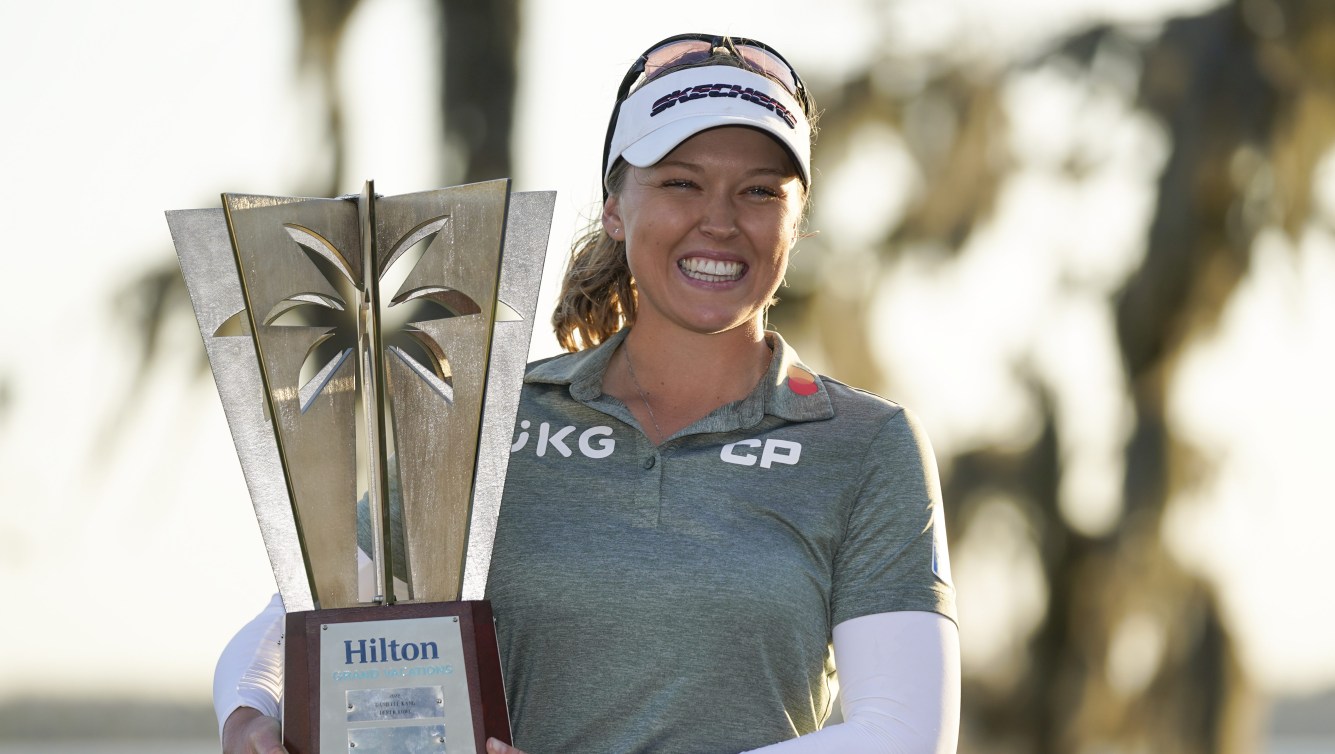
(708, 230)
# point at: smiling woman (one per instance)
(707, 232)
(706, 169)
(696, 527)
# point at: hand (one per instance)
(249, 731)
(494, 746)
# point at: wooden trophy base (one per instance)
(409, 677)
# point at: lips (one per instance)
(711, 270)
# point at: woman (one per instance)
(677, 585)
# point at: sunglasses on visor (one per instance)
(689, 49)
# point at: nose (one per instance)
(719, 216)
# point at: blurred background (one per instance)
(1090, 242)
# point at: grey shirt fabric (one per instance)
(681, 598)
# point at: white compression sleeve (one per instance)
(250, 670)
(899, 682)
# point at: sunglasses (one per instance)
(691, 49)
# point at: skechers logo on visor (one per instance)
(723, 90)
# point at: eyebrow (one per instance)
(752, 172)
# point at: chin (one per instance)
(722, 325)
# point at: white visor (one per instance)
(676, 106)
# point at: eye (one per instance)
(678, 183)
(763, 192)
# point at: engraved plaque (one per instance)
(419, 665)
(411, 739)
(381, 703)
(391, 671)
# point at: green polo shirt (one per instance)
(680, 598)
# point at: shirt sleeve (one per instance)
(899, 688)
(893, 555)
(249, 672)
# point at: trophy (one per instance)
(369, 353)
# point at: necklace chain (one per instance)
(630, 367)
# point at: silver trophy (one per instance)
(369, 352)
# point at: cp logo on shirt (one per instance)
(772, 451)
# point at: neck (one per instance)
(685, 361)
(670, 382)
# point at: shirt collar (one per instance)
(790, 390)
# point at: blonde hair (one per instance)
(597, 294)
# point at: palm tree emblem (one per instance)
(338, 307)
(399, 322)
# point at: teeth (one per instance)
(711, 270)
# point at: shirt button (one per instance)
(649, 462)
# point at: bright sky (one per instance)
(129, 556)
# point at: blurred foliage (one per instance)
(1245, 95)
(479, 56)
(479, 61)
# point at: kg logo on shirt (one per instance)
(594, 442)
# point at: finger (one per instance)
(270, 747)
(267, 737)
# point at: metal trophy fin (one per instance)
(369, 352)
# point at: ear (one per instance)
(612, 224)
(799, 231)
